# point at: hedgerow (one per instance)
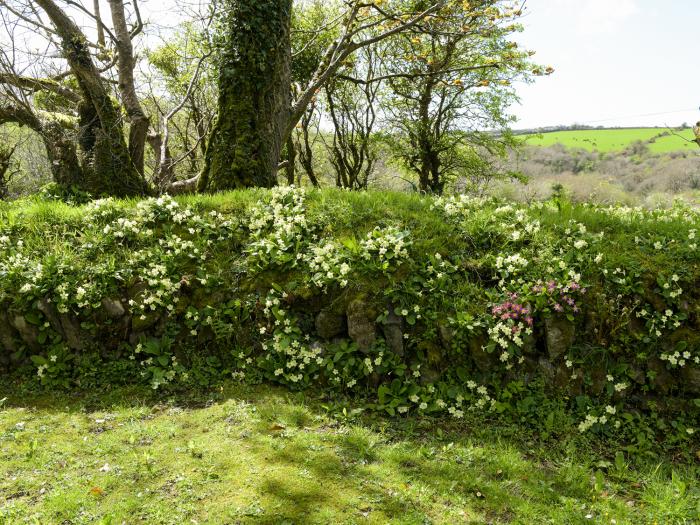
(550, 314)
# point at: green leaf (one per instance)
(32, 318)
(39, 360)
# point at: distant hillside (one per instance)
(659, 140)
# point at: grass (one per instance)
(263, 455)
(611, 140)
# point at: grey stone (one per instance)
(484, 361)
(663, 380)
(393, 333)
(329, 324)
(29, 333)
(141, 325)
(361, 327)
(447, 335)
(599, 378)
(46, 307)
(65, 324)
(637, 375)
(72, 331)
(691, 379)
(556, 376)
(547, 370)
(7, 334)
(560, 335)
(114, 308)
(429, 375)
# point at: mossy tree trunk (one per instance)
(60, 147)
(291, 161)
(107, 164)
(254, 96)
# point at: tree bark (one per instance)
(107, 165)
(138, 130)
(254, 97)
(60, 149)
(290, 167)
(305, 151)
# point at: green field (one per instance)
(610, 140)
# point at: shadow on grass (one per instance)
(312, 468)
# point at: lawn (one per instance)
(263, 455)
(612, 140)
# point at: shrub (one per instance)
(416, 304)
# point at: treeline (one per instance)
(243, 92)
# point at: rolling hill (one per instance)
(660, 140)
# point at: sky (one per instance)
(617, 62)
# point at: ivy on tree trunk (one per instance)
(254, 96)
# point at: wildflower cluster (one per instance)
(385, 246)
(277, 227)
(512, 322)
(327, 263)
(559, 297)
(287, 355)
(192, 294)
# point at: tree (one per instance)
(313, 31)
(450, 82)
(94, 155)
(182, 93)
(254, 95)
(256, 115)
(8, 169)
(352, 107)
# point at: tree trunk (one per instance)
(60, 147)
(306, 153)
(254, 96)
(138, 129)
(290, 168)
(62, 155)
(107, 164)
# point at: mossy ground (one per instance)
(263, 455)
